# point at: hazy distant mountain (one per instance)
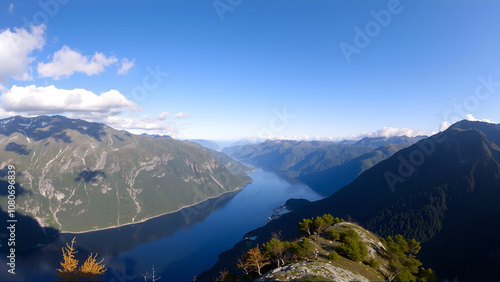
(232, 165)
(207, 144)
(80, 176)
(324, 166)
(443, 190)
(154, 135)
(381, 141)
(295, 158)
(331, 180)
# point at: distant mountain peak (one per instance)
(83, 176)
(32, 127)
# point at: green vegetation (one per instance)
(454, 185)
(372, 263)
(402, 260)
(304, 249)
(334, 256)
(349, 234)
(84, 176)
(352, 249)
(333, 234)
(396, 254)
(276, 251)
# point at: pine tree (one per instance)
(306, 226)
(403, 263)
(333, 235)
(275, 249)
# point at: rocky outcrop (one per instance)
(311, 270)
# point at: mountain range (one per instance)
(443, 191)
(76, 176)
(324, 166)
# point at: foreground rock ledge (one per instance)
(300, 270)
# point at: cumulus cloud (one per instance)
(472, 118)
(445, 124)
(126, 65)
(140, 125)
(15, 50)
(163, 115)
(107, 107)
(51, 100)
(181, 115)
(389, 132)
(66, 62)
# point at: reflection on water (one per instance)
(180, 245)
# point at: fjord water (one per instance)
(180, 245)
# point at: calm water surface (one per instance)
(180, 245)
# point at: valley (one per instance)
(435, 204)
(428, 200)
(81, 176)
(233, 140)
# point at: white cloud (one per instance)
(51, 100)
(15, 50)
(126, 65)
(163, 115)
(445, 124)
(388, 132)
(472, 118)
(11, 8)
(181, 115)
(66, 62)
(140, 125)
(107, 108)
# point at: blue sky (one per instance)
(230, 69)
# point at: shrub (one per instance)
(353, 249)
(334, 256)
(349, 234)
(303, 249)
(333, 235)
(373, 263)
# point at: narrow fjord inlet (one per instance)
(182, 244)
(233, 140)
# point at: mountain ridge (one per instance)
(323, 165)
(85, 176)
(434, 199)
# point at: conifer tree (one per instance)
(70, 263)
(91, 270)
(254, 260)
